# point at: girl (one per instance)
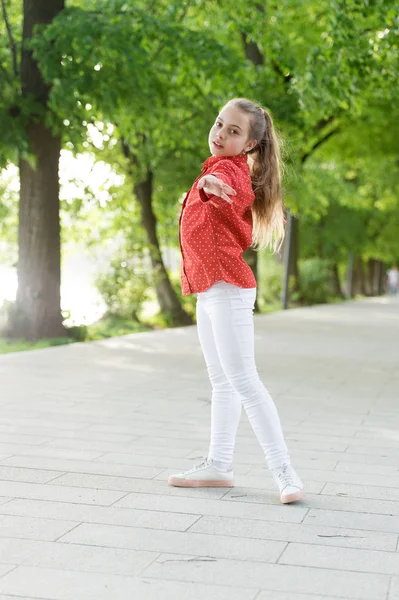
(234, 203)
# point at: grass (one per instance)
(7, 345)
(107, 327)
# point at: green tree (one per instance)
(37, 311)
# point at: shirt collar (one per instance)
(238, 160)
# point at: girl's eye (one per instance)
(234, 131)
(218, 124)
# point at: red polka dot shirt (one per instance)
(215, 233)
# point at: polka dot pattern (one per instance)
(213, 233)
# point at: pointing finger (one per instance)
(228, 190)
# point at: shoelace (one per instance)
(285, 478)
(204, 463)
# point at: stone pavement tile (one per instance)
(2, 597)
(53, 584)
(6, 569)
(199, 506)
(116, 438)
(140, 452)
(34, 528)
(146, 486)
(351, 478)
(273, 595)
(80, 466)
(64, 494)
(351, 520)
(394, 589)
(27, 475)
(361, 491)
(175, 541)
(366, 467)
(48, 451)
(293, 532)
(30, 440)
(374, 450)
(345, 457)
(305, 580)
(317, 446)
(311, 428)
(357, 505)
(343, 559)
(372, 459)
(303, 463)
(44, 422)
(325, 439)
(157, 428)
(147, 443)
(99, 514)
(380, 435)
(161, 460)
(56, 555)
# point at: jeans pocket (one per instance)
(247, 296)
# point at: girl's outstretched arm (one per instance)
(213, 186)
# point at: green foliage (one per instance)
(112, 326)
(125, 286)
(315, 278)
(270, 277)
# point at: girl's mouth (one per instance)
(217, 145)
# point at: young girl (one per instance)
(231, 206)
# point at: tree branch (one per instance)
(13, 46)
(319, 142)
(6, 74)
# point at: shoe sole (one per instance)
(175, 481)
(289, 498)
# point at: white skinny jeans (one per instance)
(226, 333)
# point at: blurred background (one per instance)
(105, 108)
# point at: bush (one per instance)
(270, 278)
(125, 286)
(315, 282)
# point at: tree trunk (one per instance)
(335, 282)
(251, 257)
(38, 313)
(374, 274)
(358, 278)
(168, 301)
(382, 285)
(293, 269)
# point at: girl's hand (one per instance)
(212, 185)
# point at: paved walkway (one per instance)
(90, 432)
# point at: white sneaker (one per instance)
(204, 475)
(289, 484)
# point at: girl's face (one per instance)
(229, 135)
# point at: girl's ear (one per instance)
(250, 145)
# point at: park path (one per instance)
(90, 432)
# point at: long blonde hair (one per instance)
(266, 171)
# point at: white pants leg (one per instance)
(226, 405)
(226, 333)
